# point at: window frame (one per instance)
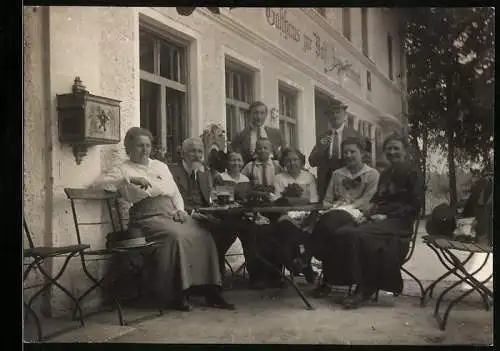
(350, 121)
(321, 11)
(390, 54)
(184, 121)
(235, 104)
(292, 95)
(346, 23)
(364, 32)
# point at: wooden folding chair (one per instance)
(37, 256)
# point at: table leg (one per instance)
(290, 281)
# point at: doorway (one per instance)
(322, 103)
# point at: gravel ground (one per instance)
(283, 319)
(261, 319)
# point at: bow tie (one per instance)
(349, 183)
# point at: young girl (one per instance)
(233, 174)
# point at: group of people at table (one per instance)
(361, 237)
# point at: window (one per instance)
(369, 80)
(389, 56)
(163, 91)
(365, 128)
(350, 121)
(364, 30)
(346, 22)
(239, 96)
(378, 142)
(288, 115)
(321, 11)
(404, 105)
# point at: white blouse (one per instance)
(354, 189)
(241, 179)
(305, 180)
(156, 172)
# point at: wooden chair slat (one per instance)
(89, 194)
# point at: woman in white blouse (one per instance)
(349, 193)
(188, 259)
(287, 233)
(294, 173)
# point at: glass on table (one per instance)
(222, 195)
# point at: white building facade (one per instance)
(177, 74)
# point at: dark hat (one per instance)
(442, 221)
(337, 106)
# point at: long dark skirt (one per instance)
(281, 246)
(369, 255)
(321, 241)
(188, 256)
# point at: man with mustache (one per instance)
(194, 182)
(246, 140)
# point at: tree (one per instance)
(450, 54)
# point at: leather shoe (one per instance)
(321, 291)
(217, 301)
(309, 274)
(182, 304)
(355, 301)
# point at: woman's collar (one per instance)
(268, 162)
(346, 172)
(139, 164)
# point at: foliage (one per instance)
(450, 55)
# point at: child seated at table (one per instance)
(263, 169)
(233, 177)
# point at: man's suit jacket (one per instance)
(241, 142)
(181, 178)
(320, 158)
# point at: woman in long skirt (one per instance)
(350, 191)
(187, 260)
(370, 253)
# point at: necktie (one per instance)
(264, 174)
(335, 146)
(193, 177)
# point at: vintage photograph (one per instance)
(246, 175)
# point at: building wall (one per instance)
(101, 46)
(36, 153)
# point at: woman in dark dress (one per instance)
(370, 253)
